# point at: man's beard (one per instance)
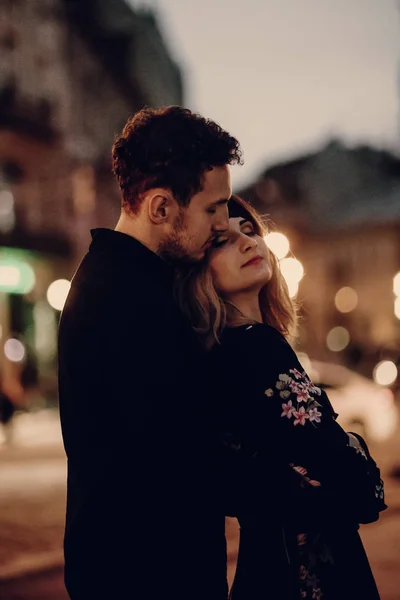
(174, 248)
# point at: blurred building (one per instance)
(340, 209)
(71, 73)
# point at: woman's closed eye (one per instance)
(250, 232)
(219, 241)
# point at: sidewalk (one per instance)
(32, 506)
(32, 496)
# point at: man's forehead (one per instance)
(217, 177)
(216, 189)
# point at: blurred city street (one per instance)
(32, 509)
(32, 495)
(311, 93)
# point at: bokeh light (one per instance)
(396, 284)
(337, 339)
(291, 269)
(397, 307)
(9, 276)
(7, 214)
(16, 276)
(6, 202)
(293, 288)
(385, 372)
(58, 292)
(346, 299)
(14, 350)
(278, 243)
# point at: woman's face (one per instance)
(239, 260)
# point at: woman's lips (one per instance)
(252, 261)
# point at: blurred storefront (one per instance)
(31, 294)
(339, 208)
(35, 250)
(71, 73)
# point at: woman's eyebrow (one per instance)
(245, 222)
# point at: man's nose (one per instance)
(221, 222)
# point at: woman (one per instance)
(299, 519)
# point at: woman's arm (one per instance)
(274, 412)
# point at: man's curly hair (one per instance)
(169, 148)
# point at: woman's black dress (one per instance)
(299, 532)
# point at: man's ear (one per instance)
(162, 206)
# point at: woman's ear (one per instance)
(162, 206)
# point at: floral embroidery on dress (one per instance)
(379, 490)
(300, 416)
(361, 451)
(300, 393)
(355, 444)
(313, 554)
(309, 585)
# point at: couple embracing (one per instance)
(182, 401)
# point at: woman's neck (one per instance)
(247, 308)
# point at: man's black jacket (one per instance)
(143, 517)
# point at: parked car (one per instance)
(363, 406)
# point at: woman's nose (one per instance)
(247, 243)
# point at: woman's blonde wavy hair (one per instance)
(209, 313)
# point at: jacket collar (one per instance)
(126, 246)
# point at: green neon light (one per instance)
(16, 275)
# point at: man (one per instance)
(143, 519)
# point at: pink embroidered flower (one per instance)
(314, 389)
(299, 388)
(288, 410)
(300, 416)
(317, 594)
(301, 539)
(296, 373)
(295, 386)
(303, 396)
(303, 573)
(315, 415)
(308, 385)
(302, 386)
